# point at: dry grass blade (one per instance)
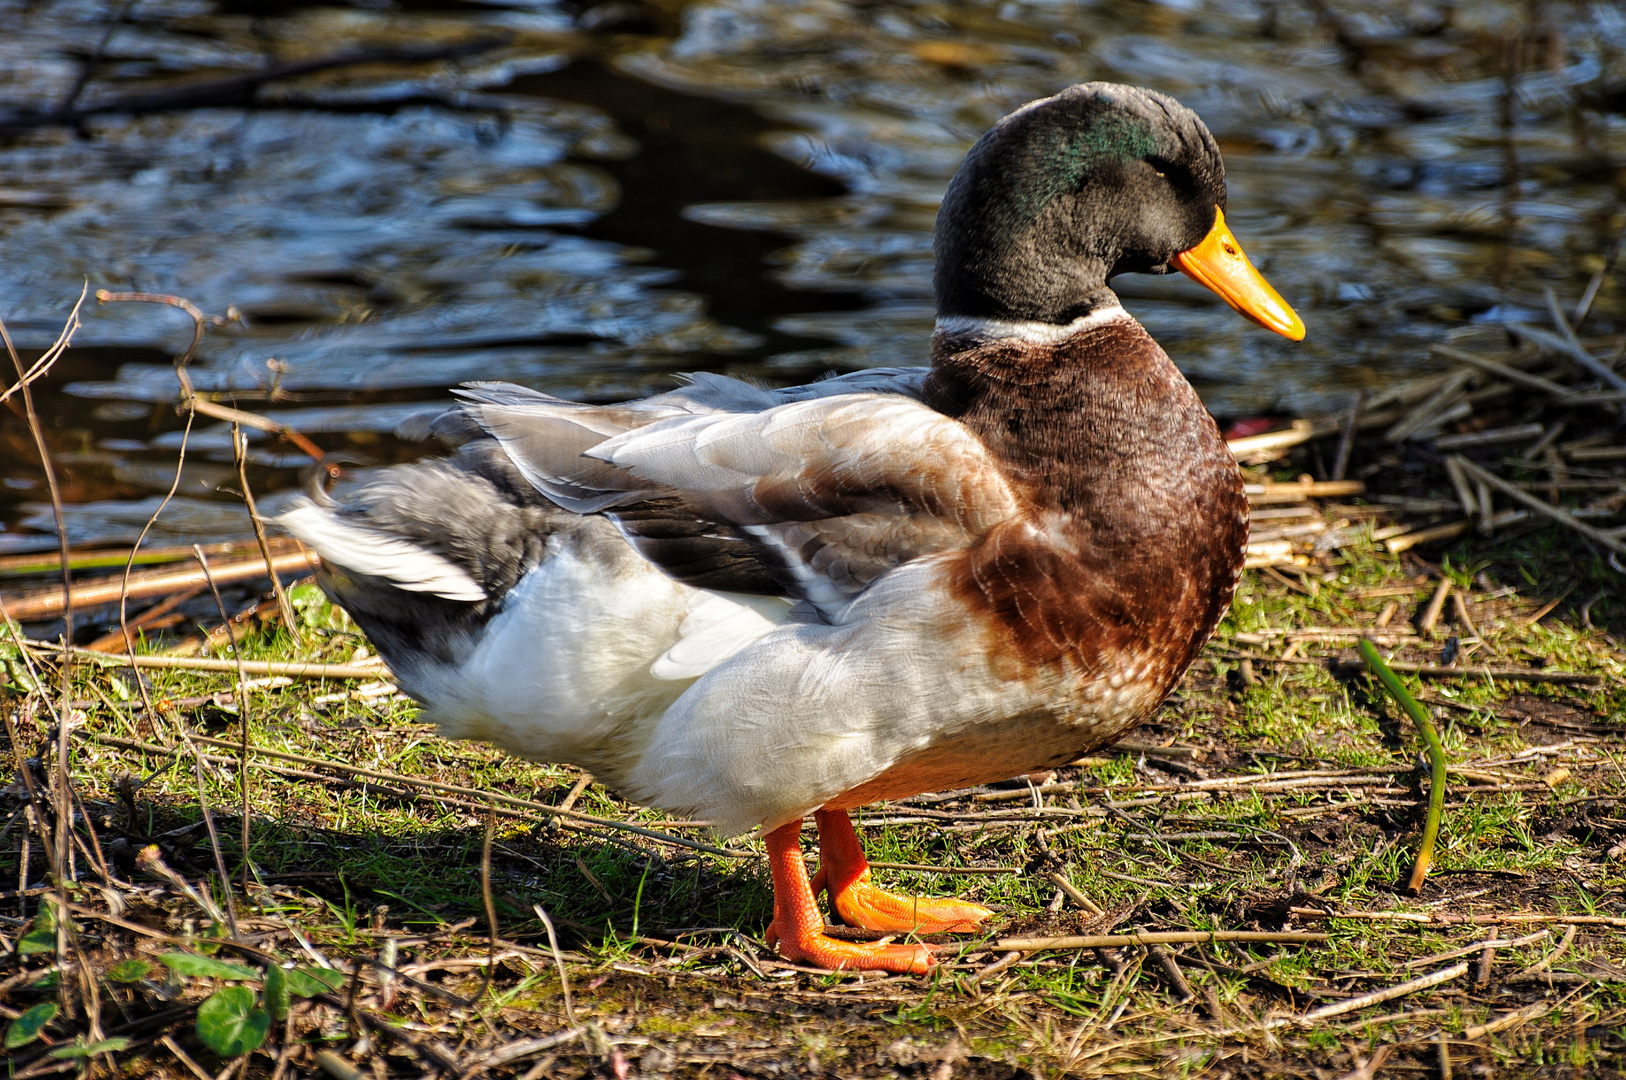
(927, 868)
(129, 566)
(1074, 894)
(1557, 514)
(292, 670)
(1448, 919)
(1574, 347)
(1567, 346)
(242, 719)
(523, 1048)
(186, 1059)
(558, 961)
(62, 796)
(1406, 541)
(1171, 971)
(334, 1065)
(1501, 371)
(1511, 1020)
(492, 928)
(1301, 431)
(1269, 493)
(1377, 997)
(1436, 605)
(1438, 671)
(44, 605)
(1489, 945)
(1346, 438)
(1431, 409)
(240, 450)
(1164, 937)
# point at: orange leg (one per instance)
(797, 930)
(845, 872)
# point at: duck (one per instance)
(751, 605)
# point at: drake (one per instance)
(749, 605)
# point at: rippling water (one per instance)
(613, 196)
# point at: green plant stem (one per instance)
(1436, 758)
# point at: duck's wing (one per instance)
(825, 494)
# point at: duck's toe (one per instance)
(844, 873)
(865, 904)
(823, 951)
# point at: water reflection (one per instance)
(749, 189)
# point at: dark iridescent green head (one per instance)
(1068, 191)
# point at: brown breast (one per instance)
(1132, 542)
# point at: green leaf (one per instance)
(19, 676)
(276, 992)
(312, 605)
(80, 1050)
(27, 1027)
(1436, 756)
(40, 938)
(204, 967)
(129, 971)
(217, 931)
(308, 982)
(229, 1024)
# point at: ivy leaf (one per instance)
(229, 1024)
(277, 1000)
(129, 971)
(308, 981)
(83, 1050)
(27, 1027)
(204, 967)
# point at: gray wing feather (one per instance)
(830, 489)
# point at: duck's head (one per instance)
(1069, 191)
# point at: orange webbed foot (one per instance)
(821, 950)
(874, 908)
(797, 931)
(845, 873)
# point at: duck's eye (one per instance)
(1165, 169)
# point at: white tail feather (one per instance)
(363, 551)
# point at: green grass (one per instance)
(354, 865)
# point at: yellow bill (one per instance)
(1219, 263)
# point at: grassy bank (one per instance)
(1276, 791)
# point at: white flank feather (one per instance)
(363, 551)
(717, 627)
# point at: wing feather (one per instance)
(828, 491)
